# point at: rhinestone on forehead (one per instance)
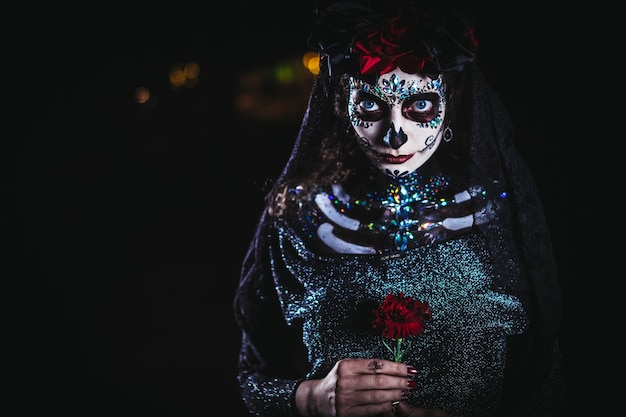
(394, 89)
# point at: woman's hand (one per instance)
(356, 387)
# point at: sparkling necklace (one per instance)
(401, 201)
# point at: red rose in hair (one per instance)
(394, 45)
(378, 37)
(400, 317)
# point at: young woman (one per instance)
(404, 203)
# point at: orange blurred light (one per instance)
(177, 75)
(311, 61)
(192, 70)
(142, 95)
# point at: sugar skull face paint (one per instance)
(398, 121)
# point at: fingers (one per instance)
(366, 387)
(366, 408)
(384, 382)
(359, 375)
(375, 366)
(372, 386)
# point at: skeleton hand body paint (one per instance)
(398, 121)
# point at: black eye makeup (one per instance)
(369, 107)
(422, 107)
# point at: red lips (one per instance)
(395, 159)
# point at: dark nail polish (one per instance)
(411, 383)
(405, 393)
(411, 371)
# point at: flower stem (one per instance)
(398, 351)
(389, 348)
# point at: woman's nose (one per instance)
(394, 139)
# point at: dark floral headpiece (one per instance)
(374, 37)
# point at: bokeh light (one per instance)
(311, 61)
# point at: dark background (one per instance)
(127, 226)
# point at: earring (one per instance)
(447, 134)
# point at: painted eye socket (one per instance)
(421, 107)
(369, 108)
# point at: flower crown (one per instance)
(374, 37)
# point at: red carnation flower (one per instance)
(400, 317)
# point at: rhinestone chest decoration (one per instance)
(402, 200)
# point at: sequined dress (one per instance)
(318, 304)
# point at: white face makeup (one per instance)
(398, 121)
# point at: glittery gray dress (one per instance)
(328, 298)
(461, 355)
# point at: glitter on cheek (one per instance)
(354, 116)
